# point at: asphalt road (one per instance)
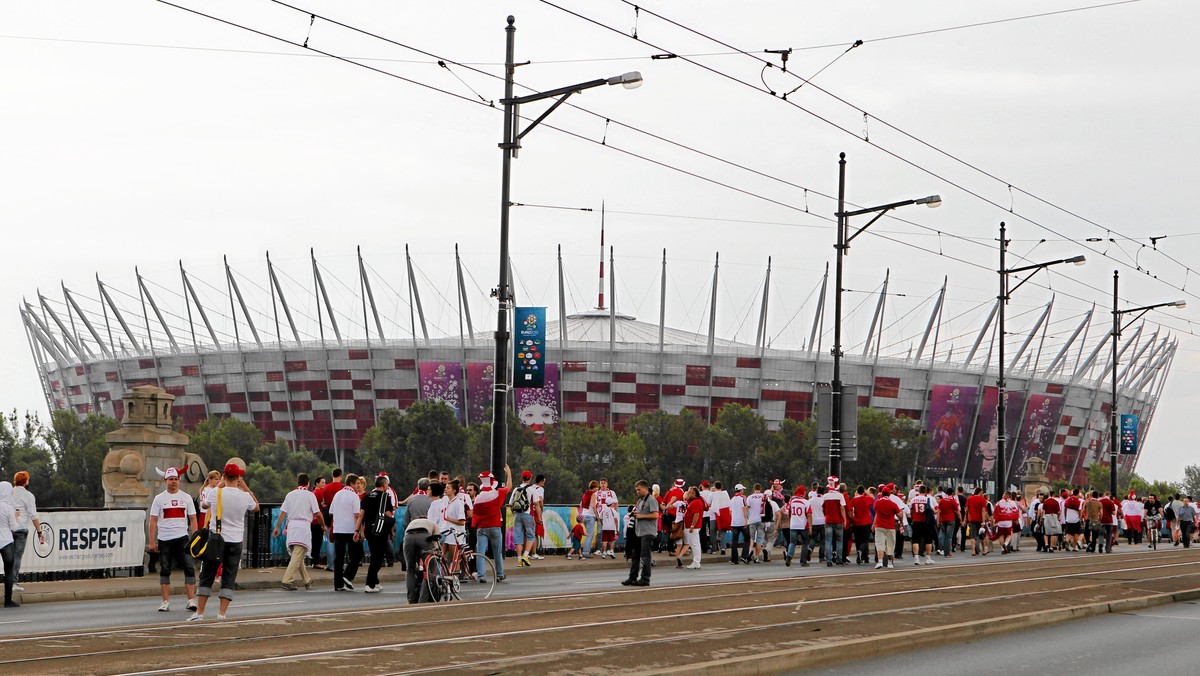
(33, 618)
(1162, 639)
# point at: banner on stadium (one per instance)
(537, 409)
(481, 377)
(981, 461)
(1129, 434)
(529, 347)
(951, 408)
(442, 381)
(92, 540)
(1037, 432)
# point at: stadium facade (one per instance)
(603, 367)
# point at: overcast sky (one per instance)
(137, 134)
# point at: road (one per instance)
(708, 620)
(1163, 640)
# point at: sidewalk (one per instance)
(268, 578)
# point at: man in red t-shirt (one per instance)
(884, 525)
(1051, 515)
(860, 521)
(1108, 519)
(834, 507)
(948, 516)
(487, 515)
(978, 509)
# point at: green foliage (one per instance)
(889, 449)
(407, 444)
(1191, 481)
(271, 469)
(216, 440)
(78, 448)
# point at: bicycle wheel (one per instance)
(473, 586)
(435, 578)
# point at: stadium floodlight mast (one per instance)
(502, 293)
(843, 243)
(1005, 293)
(1114, 440)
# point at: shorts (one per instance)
(608, 536)
(1072, 528)
(758, 533)
(885, 541)
(975, 528)
(1050, 524)
(576, 543)
(1004, 531)
(523, 528)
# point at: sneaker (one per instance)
(220, 617)
(694, 566)
(164, 607)
(483, 580)
(678, 562)
(195, 617)
(349, 585)
(522, 561)
(645, 583)
(190, 605)
(879, 565)
(538, 557)
(18, 588)
(308, 585)
(598, 553)
(287, 587)
(929, 560)
(373, 590)
(917, 561)
(501, 578)
(787, 561)
(890, 565)
(627, 583)
(568, 557)
(11, 604)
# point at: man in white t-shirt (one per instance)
(346, 511)
(229, 506)
(708, 525)
(455, 518)
(738, 512)
(722, 517)
(172, 521)
(537, 507)
(296, 515)
(754, 522)
(797, 510)
(816, 516)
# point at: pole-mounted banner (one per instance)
(529, 348)
(1129, 434)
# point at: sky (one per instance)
(139, 134)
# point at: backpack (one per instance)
(520, 500)
(1169, 513)
(768, 514)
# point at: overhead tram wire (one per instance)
(565, 131)
(887, 151)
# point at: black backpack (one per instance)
(768, 514)
(520, 500)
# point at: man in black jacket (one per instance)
(378, 518)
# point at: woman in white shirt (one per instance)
(8, 523)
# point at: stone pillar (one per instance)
(1034, 477)
(146, 442)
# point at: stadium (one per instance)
(220, 353)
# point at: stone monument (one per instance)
(146, 442)
(1034, 478)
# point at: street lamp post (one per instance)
(1114, 441)
(1005, 293)
(502, 293)
(843, 243)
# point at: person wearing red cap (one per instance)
(520, 501)
(172, 521)
(887, 512)
(233, 499)
(667, 503)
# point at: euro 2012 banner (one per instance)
(529, 347)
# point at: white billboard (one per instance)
(94, 540)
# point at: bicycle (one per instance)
(1153, 531)
(459, 579)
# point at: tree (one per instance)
(78, 448)
(671, 442)
(218, 439)
(792, 453)
(271, 469)
(562, 485)
(889, 449)
(1191, 480)
(407, 444)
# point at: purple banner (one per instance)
(442, 380)
(981, 464)
(481, 376)
(949, 424)
(537, 408)
(1037, 432)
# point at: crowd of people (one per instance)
(327, 521)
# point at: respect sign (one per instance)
(86, 541)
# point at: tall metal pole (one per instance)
(500, 386)
(1001, 439)
(1114, 439)
(835, 433)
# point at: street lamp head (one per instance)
(630, 80)
(1179, 304)
(933, 201)
(1078, 260)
